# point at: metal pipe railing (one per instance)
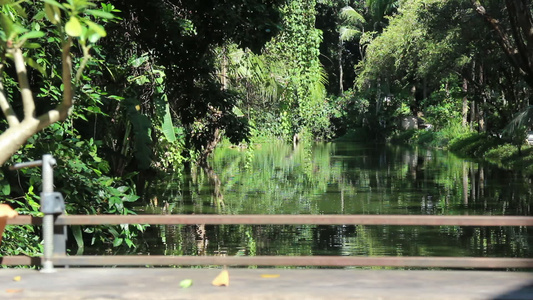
(52, 204)
(406, 220)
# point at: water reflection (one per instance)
(342, 178)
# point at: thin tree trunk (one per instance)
(341, 72)
(464, 113)
(481, 114)
(465, 183)
(472, 114)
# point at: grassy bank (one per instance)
(480, 146)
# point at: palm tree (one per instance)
(351, 27)
(378, 9)
(518, 127)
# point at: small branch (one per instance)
(68, 92)
(84, 61)
(8, 111)
(63, 110)
(50, 117)
(515, 20)
(25, 90)
(513, 53)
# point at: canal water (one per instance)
(340, 178)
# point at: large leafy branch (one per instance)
(73, 23)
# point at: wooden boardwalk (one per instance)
(264, 283)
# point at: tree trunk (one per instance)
(341, 72)
(472, 114)
(480, 113)
(464, 113)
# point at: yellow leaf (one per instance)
(269, 275)
(73, 27)
(222, 279)
(17, 278)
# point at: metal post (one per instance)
(48, 219)
(52, 205)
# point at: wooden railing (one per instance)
(60, 258)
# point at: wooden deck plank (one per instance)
(406, 220)
(163, 283)
(302, 261)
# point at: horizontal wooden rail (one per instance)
(415, 220)
(398, 261)
(335, 261)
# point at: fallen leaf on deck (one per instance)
(17, 278)
(222, 279)
(12, 291)
(270, 275)
(185, 283)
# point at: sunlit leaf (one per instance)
(53, 13)
(97, 28)
(32, 35)
(39, 17)
(92, 36)
(76, 231)
(30, 62)
(100, 13)
(167, 126)
(73, 27)
(117, 242)
(185, 283)
(53, 3)
(7, 24)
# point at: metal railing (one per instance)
(54, 236)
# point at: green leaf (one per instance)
(53, 3)
(113, 231)
(117, 242)
(76, 232)
(129, 243)
(99, 29)
(139, 61)
(73, 27)
(6, 189)
(32, 35)
(7, 25)
(30, 62)
(100, 14)
(185, 283)
(53, 13)
(167, 126)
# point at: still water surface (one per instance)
(341, 178)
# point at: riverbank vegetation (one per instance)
(157, 85)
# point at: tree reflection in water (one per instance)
(344, 178)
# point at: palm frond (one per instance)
(521, 121)
(379, 8)
(349, 14)
(348, 34)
